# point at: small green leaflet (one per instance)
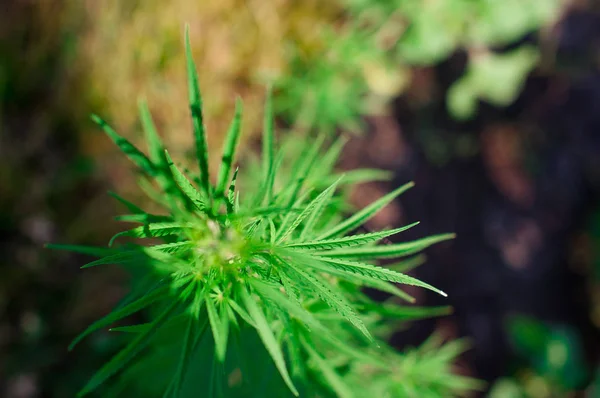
(219, 323)
(365, 214)
(335, 301)
(348, 241)
(389, 251)
(231, 142)
(128, 353)
(312, 207)
(197, 118)
(134, 154)
(266, 335)
(129, 309)
(153, 230)
(377, 272)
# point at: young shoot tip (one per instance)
(96, 119)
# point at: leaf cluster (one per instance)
(219, 265)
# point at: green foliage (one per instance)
(554, 352)
(330, 63)
(369, 59)
(495, 78)
(257, 283)
(552, 360)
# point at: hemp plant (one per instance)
(230, 277)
